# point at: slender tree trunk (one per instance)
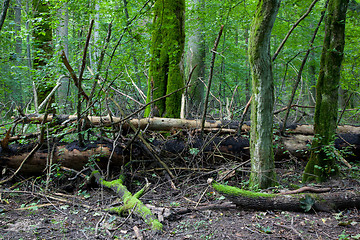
(196, 57)
(94, 50)
(322, 162)
(18, 48)
(261, 149)
(3, 12)
(28, 45)
(167, 48)
(63, 33)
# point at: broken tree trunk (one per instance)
(131, 202)
(329, 201)
(70, 155)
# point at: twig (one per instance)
(48, 196)
(210, 76)
(82, 69)
(202, 195)
(342, 112)
(58, 84)
(73, 75)
(98, 223)
(148, 146)
(138, 234)
(127, 218)
(149, 103)
(302, 68)
(293, 27)
(303, 189)
(290, 228)
(246, 109)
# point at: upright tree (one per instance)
(43, 47)
(196, 57)
(167, 49)
(321, 164)
(63, 39)
(261, 135)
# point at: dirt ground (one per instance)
(71, 210)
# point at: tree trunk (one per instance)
(261, 149)
(63, 32)
(4, 12)
(196, 57)
(43, 49)
(18, 50)
(321, 164)
(167, 47)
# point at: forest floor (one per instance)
(69, 210)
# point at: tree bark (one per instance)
(167, 48)
(321, 165)
(43, 49)
(62, 33)
(261, 149)
(196, 57)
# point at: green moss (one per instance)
(234, 191)
(167, 47)
(130, 202)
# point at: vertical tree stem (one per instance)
(210, 77)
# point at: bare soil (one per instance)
(70, 209)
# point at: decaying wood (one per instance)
(230, 147)
(166, 124)
(71, 156)
(328, 201)
(153, 124)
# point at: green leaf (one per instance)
(307, 203)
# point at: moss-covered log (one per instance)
(329, 201)
(131, 202)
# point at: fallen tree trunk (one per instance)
(327, 202)
(166, 124)
(153, 124)
(218, 148)
(70, 155)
